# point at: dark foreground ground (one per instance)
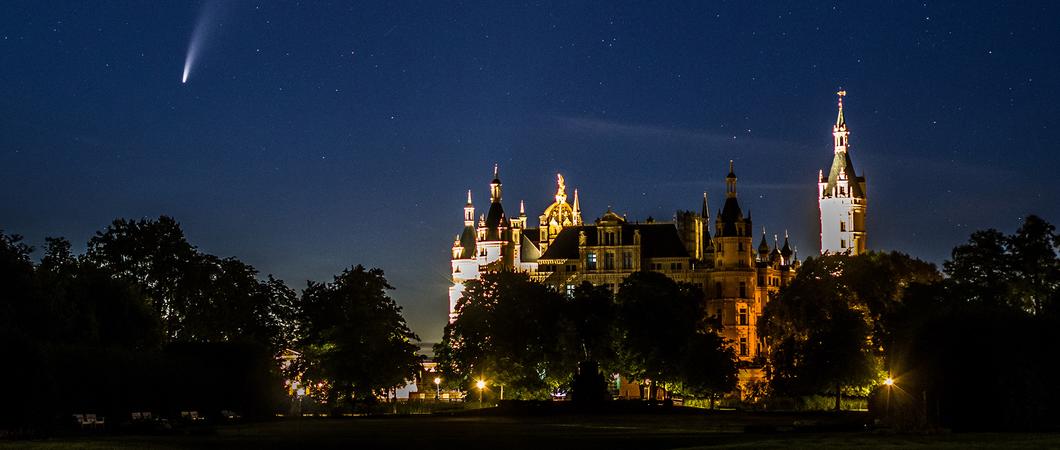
(563, 431)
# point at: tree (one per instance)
(354, 339)
(985, 332)
(591, 313)
(513, 332)
(665, 336)
(199, 297)
(827, 329)
(155, 255)
(1019, 271)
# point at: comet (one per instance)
(198, 36)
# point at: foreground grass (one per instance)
(642, 431)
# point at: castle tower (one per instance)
(464, 264)
(841, 196)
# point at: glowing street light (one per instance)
(888, 381)
(480, 384)
(437, 388)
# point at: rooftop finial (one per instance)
(561, 189)
(840, 122)
(469, 196)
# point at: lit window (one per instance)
(742, 317)
(570, 291)
(590, 261)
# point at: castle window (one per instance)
(842, 225)
(570, 291)
(609, 261)
(743, 289)
(742, 318)
(717, 290)
(627, 260)
(743, 346)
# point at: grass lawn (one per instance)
(486, 431)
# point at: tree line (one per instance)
(145, 321)
(969, 346)
(535, 341)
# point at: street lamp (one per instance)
(480, 384)
(437, 388)
(888, 381)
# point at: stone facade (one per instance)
(736, 278)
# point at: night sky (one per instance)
(313, 136)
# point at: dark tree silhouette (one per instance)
(354, 339)
(665, 337)
(511, 331)
(828, 329)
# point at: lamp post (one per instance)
(437, 388)
(480, 384)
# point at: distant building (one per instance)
(841, 197)
(735, 277)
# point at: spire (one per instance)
(704, 212)
(786, 250)
(730, 182)
(522, 209)
(495, 186)
(763, 247)
(840, 122)
(469, 211)
(839, 130)
(577, 209)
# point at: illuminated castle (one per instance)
(736, 278)
(841, 196)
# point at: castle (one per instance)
(736, 277)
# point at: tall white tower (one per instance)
(841, 196)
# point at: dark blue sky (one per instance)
(313, 136)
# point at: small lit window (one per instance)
(590, 261)
(742, 318)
